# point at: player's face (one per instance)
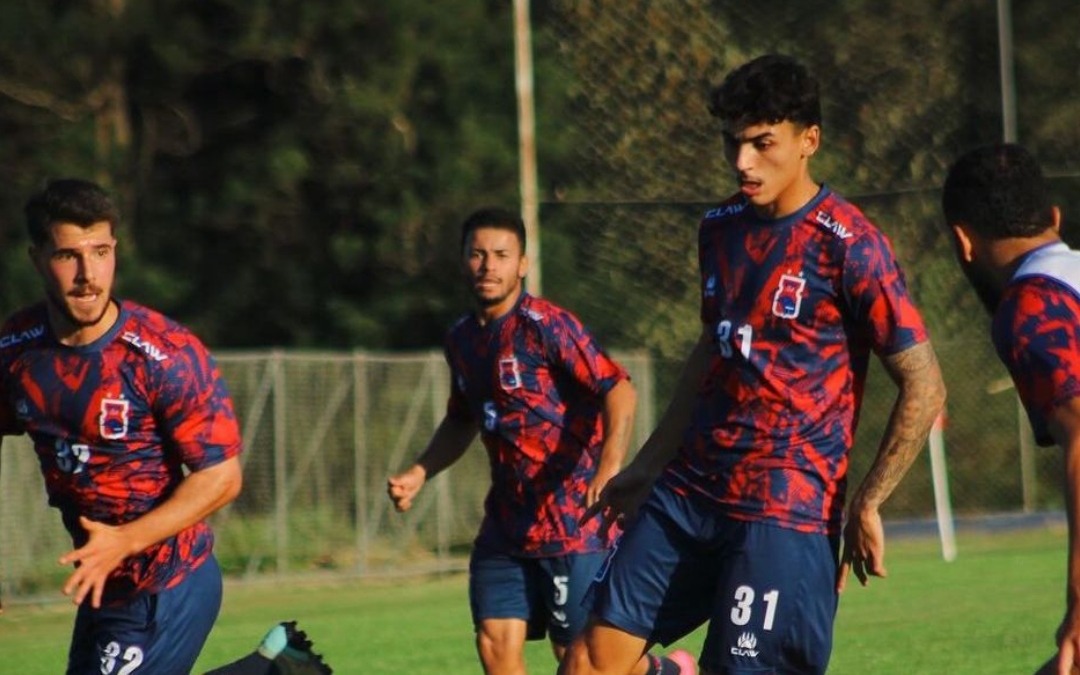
(495, 266)
(78, 265)
(972, 255)
(771, 165)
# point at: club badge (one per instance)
(509, 374)
(788, 297)
(113, 422)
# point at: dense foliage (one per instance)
(293, 173)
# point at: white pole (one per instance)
(942, 502)
(1008, 78)
(523, 76)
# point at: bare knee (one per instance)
(602, 650)
(501, 645)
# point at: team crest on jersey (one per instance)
(788, 298)
(509, 374)
(113, 422)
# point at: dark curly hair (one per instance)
(500, 219)
(68, 200)
(998, 191)
(768, 90)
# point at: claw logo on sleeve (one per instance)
(509, 374)
(788, 297)
(710, 286)
(114, 418)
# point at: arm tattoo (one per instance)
(920, 399)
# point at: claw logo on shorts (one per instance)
(788, 298)
(22, 410)
(113, 422)
(491, 416)
(509, 375)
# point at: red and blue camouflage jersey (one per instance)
(795, 307)
(534, 381)
(1036, 330)
(114, 423)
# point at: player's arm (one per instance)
(664, 441)
(618, 419)
(920, 398)
(1064, 425)
(447, 445)
(200, 494)
(625, 492)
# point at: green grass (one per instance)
(993, 610)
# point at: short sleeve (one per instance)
(195, 409)
(878, 297)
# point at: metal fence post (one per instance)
(360, 457)
(443, 498)
(281, 483)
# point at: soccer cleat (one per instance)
(289, 651)
(685, 660)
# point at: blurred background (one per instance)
(293, 176)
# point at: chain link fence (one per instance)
(324, 431)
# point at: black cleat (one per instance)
(289, 651)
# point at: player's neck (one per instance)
(72, 334)
(1006, 254)
(793, 198)
(486, 314)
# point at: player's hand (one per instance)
(620, 499)
(1067, 661)
(864, 548)
(403, 487)
(599, 482)
(103, 552)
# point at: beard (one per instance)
(501, 296)
(65, 311)
(985, 287)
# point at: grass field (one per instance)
(993, 610)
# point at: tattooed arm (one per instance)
(919, 400)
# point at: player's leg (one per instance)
(284, 650)
(500, 643)
(775, 603)
(159, 634)
(655, 587)
(1051, 668)
(567, 580)
(502, 611)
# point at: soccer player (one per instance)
(1005, 229)
(734, 504)
(554, 412)
(137, 440)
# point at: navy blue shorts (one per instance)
(547, 593)
(768, 593)
(154, 634)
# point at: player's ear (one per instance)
(811, 140)
(523, 266)
(33, 252)
(963, 242)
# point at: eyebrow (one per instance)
(753, 139)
